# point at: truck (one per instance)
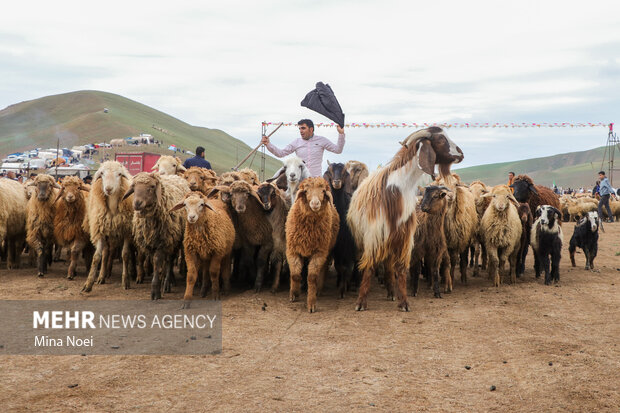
(137, 161)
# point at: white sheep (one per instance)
(169, 165)
(12, 219)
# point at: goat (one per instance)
(546, 239)
(358, 171)
(382, 211)
(296, 171)
(585, 236)
(40, 220)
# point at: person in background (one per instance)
(511, 180)
(309, 147)
(198, 160)
(605, 192)
(88, 179)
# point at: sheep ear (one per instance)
(328, 163)
(348, 185)
(487, 195)
(327, 175)
(277, 174)
(532, 189)
(513, 199)
(255, 195)
(31, 184)
(538, 211)
(557, 212)
(56, 185)
(329, 196)
(426, 157)
(59, 195)
(178, 206)
(208, 205)
(128, 193)
(84, 188)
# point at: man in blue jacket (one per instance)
(605, 192)
(198, 160)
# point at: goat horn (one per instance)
(208, 205)
(129, 192)
(404, 144)
(59, 195)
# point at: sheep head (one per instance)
(72, 189)
(147, 192)
(44, 186)
(249, 176)
(195, 204)
(548, 215)
(523, 188)
(200, 179)
(313, 192)
(168, 165)
(241, 192)
(434, 200)
(111, 174)
(337, 176)
(501, 198)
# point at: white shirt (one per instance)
(311, 150)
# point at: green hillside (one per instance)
(78, 118)
(572, 169)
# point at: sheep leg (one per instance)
(261, 264)
(513, 266)
(214, 274)
(206, 281)
(493, 270)
(225, 271)
(571, 250)
(545, 264)
(159, 262)
(104, 260)
(57, 253)
(414, 273)
(94, 267)
(87, 253)
(125, 257)
(41, 263)
(76, 250)
(169, 279)
(315, 268)
(472, 253)
(362, 303)
(140, 267)
(277, 270)
(593, 253)
(434, 267)
(555, 267)
(193, 264)
(443, 268)
(108, 263)
(476, 259)
(454, 256)
(503, 256)
(295, 264)
(463, 266)
(485, 256)
(537, 264)
(585, 252)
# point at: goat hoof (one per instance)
(70, 277)
(155, 295)
(587, 267)
(40, 274)
(404, 306)
(100, 281)
(86, 289)
(186, 304)
(438, 295)
(361, 306)
(312, 309)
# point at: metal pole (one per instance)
(262, 156)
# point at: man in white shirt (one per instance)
(309, 147)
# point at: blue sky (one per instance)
(231, 65)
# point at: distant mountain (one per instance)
(78, 118)
(573, 169)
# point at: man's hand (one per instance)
(340, 130)
(265, 140)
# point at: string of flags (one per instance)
(457, 124)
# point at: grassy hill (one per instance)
(572, 169)
(78, 118)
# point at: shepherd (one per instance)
(310, 147)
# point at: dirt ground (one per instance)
(544, 348)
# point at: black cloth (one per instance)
(604, 201)
(323, 101)
(196, 161)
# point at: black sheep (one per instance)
(585, 237)
(344, 253)
(546, 240)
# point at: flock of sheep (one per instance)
(232, 227)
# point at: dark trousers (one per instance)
(604, 202)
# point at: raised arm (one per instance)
(335, 147)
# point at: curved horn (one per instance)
(128, 193)
(208, 205)
(59, 195)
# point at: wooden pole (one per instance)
(255, 149)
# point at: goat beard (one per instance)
(446, 175)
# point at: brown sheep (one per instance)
(169, 165)
(208, 243)
(109, 221)
(40, 220)
(200, 179)
(478, 188)
(311, 231)
(254, 229)
(358, 171)
(430, 239)
(12, 219)
(249, 176)
(157, 232)
(382, 211)
(277, 209)
(535, 195)
(527, 220)
(69, 231)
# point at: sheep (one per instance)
(525, 215)
(71, 204)
(382, 211)
(345, 254)
(535, 195)
(358, 171)
(12, 220)
(157, 232)
(208, 243)
(430, 239)
(109, 222)
(117, 142)
(249, 176)
(311, 232)
(277, 209)
(227, 178)
(478, 188)
(579, 207)
(585, 236)
(200, 179)
(546, 239)
(40, 220)
(254, 228)
(501, 232)
(169, 165)
(296, 171)
(461, 225)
